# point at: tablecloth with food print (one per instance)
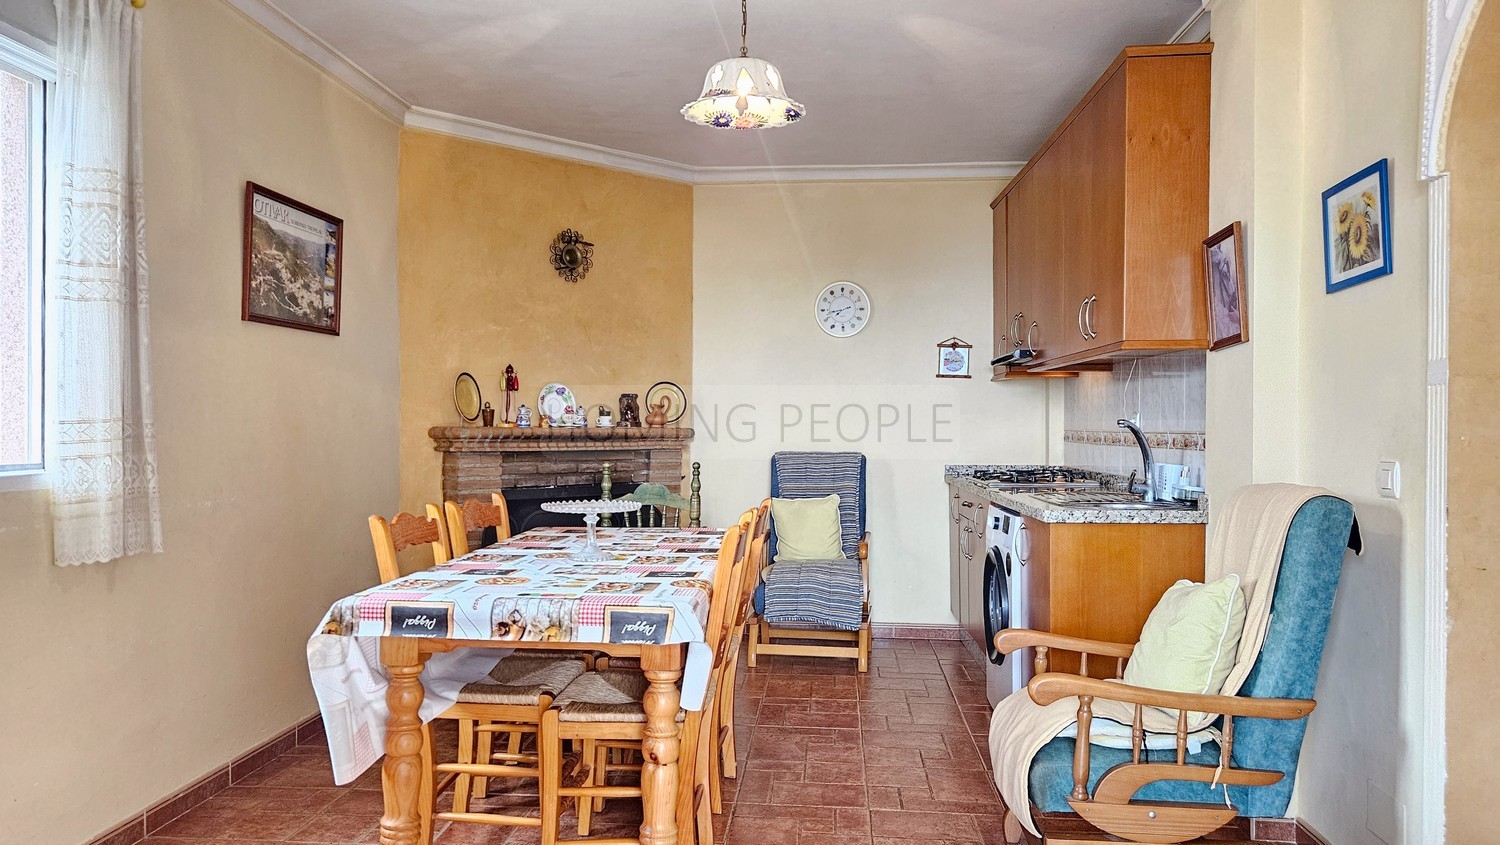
(523, 589)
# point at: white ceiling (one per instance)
(885, 82)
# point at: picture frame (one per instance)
(1224, 279)
(1357, 228)
(953, 358)
(293, 263)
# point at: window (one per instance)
(23, 89)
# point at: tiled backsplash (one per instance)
(1167, 391)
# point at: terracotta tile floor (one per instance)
(827, 757)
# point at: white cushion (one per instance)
(1189, 641)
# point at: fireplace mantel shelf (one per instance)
(474, 438)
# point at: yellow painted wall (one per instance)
(769, 379)
(1473, 457)
(478, 290)
(1329, 385)
(138, 676)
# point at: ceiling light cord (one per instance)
(744, 27)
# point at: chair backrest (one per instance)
(404, 531)
(759, 554)
(661, 507)
(733, 552)
(476, 515)
(812, 475)
(1293, 650)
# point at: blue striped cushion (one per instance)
(815, 593)
(806, 475)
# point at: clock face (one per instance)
(842, 309)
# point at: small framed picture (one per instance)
(294, 263)
(953, 358)
(1357, 228)
(1224, 272)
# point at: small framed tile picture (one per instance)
(1357, 228)
(953, 358)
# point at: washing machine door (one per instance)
(996, 599)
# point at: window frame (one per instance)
(18, 56)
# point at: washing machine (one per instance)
(1003, 592)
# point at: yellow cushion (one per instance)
(1189, 641)
(807, 529)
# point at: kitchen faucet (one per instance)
(1150, 464)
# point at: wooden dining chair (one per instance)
(509, 701)
(402, 532)
(660, 507)
(606, 707)
(473, 517)
(724, 722)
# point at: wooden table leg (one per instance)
(660, 774)
(402, 775)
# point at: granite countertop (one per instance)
(960, 475)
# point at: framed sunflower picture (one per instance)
(1357, 228)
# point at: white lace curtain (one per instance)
(104, 498)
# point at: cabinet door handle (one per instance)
(1016, 545)
(1081, 330)
(1088, 316)
(1015, 330)
(1029, 332)
(952, 511)
(963, 542)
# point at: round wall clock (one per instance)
(842, 309)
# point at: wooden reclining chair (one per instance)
(811, 475)
(1168, 796)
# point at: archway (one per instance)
(1472, 160)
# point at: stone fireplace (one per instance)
(535, 465)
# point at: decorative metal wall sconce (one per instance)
(572, 256)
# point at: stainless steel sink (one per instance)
(1142, 506)
(1107, 500)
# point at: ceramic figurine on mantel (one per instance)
(523, 417)
(510, 384)
(657, 417)
(630, 411)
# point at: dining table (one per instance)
(388, 660)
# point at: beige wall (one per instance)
(1473, 456)
(138, 676)
(1330, 385)
(478, 290)
(767, 378)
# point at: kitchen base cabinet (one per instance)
(1101, 581)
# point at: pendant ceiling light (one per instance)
(743, 93)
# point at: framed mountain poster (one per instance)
(294, 261)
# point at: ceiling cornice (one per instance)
(304, 42)
(521, 139)
(309, 45)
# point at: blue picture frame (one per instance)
(1357, 233)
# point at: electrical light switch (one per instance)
(1388, 479)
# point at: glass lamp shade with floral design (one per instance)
(743, 93)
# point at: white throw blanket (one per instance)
(1247, 540)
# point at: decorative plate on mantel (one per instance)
(557, 404)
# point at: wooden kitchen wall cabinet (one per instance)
(1098, 239)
